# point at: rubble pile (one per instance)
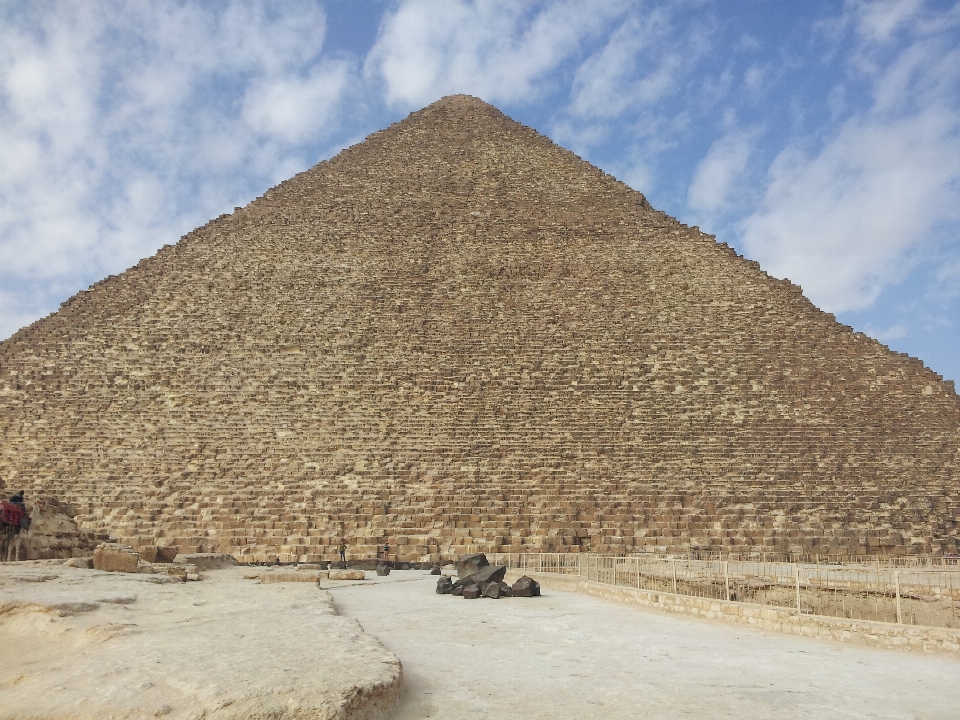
(477, 578)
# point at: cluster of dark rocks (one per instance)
(477, 578)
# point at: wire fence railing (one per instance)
(912, 595)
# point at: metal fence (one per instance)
(918, 595)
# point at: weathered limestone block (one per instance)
(269, 578)
(346, 574)
(114, 557)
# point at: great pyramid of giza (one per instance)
(457, 336)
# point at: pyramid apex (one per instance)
(460, 102)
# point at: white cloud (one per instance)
(842, 222)
(878, 20)
(887, 335)
(849, 219)
(494, 49)
(125, 124)
(639, 65)
(719, 171)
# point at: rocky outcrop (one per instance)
(54, 532)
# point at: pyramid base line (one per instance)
(295, 525)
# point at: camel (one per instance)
(13, 521)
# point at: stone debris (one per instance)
(383, 569)
(346, 574)
(485, 581)
(526, 586)
(458, 337)
(471, 564)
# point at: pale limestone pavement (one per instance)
(566, 655)
(457, 336)
(79, 644)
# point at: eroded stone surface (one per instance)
(458, 337)
(221, 648)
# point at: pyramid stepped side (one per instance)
(457, 336)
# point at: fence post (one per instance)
(540, 562)
(796, 569)
(896, 585)
(726, 578)
(674, 576)
(638, 572)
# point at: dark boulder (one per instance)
(405, 566)
(470, 564)
(435, 570)
(505, 590)
(466, 582)
(471, 592)
(526, 587)
(492, 590)
(491, 573)
(383, 569)
(456, 590)
(444, 586)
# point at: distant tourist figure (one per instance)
(13, 520)
(343, 551)
(386, 549)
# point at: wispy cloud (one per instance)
(717, 174)
(846, 219)
(126, 124)
(500, 51)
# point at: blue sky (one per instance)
(820, 138)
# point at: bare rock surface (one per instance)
(82, 644)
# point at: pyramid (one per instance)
(457, 336)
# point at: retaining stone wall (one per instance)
(873, 634)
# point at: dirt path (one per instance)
(566, 655)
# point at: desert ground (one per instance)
(92, 644)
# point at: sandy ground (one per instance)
(85, 644)
(566, 655)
